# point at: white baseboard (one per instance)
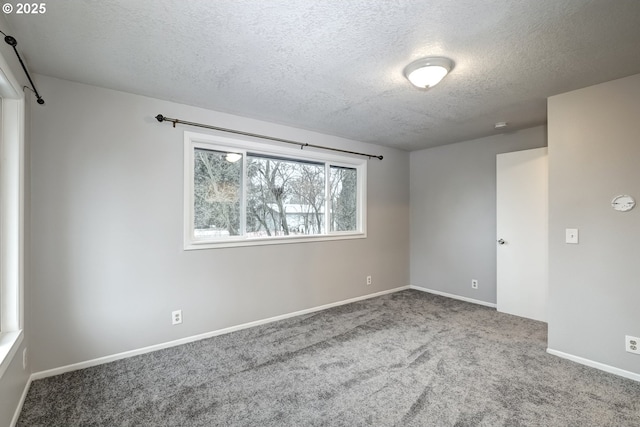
(592, 364)
(16, 414)
(149, 349)
(458, 297)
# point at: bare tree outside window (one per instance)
(217, 194)
(284, 197)
(309, 198)
(344, 198)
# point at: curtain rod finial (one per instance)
(160, 118)
(11, 41)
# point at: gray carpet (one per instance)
(404, 359)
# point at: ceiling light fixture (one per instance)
(425, 73)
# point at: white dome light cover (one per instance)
(425, 73)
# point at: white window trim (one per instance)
(194, 140)
(12, 166)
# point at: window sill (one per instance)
(195, 245)
(9, 343)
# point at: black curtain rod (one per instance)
(11, 41)
(162, 118)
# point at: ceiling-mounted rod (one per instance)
(11, 41)
(302, 145)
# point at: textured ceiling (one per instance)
(335, 66)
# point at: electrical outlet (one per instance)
(24, 359)
(474, 283)
(368, 280)
(176, 317)
(632, 344)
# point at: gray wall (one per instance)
(594, 155)
(453, 213)
(15, 378)
(108, 266)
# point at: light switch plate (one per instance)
(571, 236)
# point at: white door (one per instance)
(522, 240)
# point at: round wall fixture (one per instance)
(425, 73)
(623, 203)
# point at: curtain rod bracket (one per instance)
(162, 118)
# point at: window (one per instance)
(11, 215)
(240, 193)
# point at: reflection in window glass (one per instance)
(217, 194)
